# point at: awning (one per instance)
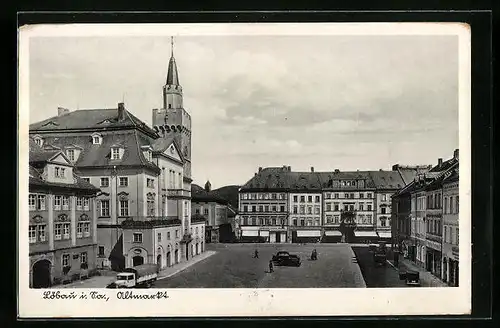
(308, 233)
(384, 234)
(250, 233)
(264, 233)
(333, 233)
(365, 234)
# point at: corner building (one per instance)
(62, 220)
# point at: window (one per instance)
(346, 207)
(456, 205)
(369, 218)
(361, 195)
(39, 141)
(261, 208)
(336, 219)
(83, 258)
(335, 195)
(351, 207)
(123, 207)
(32, 234)
(86, 204)
(266, 208)
(159, 237)
(274, 208)
(336, 207)
(309, 199)
(66, 230)
(316, 209)
(65, 203)
(302, 199)
(295, 209)
(382, 210)
(100, 252)
(295, 222)
(123, 182)
(41, 232)
(445, 205)
(57, 231)
(451, 205)
(79, 230)
(382, 222)
(62, 172)
(177, 233)
(86, 179)
(317, 199)
(328, 207)
(150, 205)
(32, 202)
(86, 229)
(71, 154)
(351, 195)
(274, 221)
(302, 222)
(115, 153)
(282, 208)
(105, 208)
(197, 211)
(57, 203)
(104, 182)
(295, 199)
(369, 207)
(457, 238)
(302, 209)
(65, 260)
(205, 211)
(96, 140)
(254, 208)
(369, 195)
(150, 183)
(168, 235)
(56, 170)
(79, 203)
(346, 195)
(245, 208)
(309, 210)
(361, 207)
(384, 197)
(328, 195)
(137, 237)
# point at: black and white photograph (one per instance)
(233, 168)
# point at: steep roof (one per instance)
(201, 195)
(269, 178)
(328, 177)
(446, 165)
(304, 181)
(42, 156)
(172, 75)
(229, 193)
(100, 155)
(92, 119)
(387, 179)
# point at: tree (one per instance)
(347, 225)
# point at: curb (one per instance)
(353, 257)
(187, 266)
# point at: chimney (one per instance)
(337, 170)
(260, 169)
(395, 167)
(440, 162)
(61, 111)
(455, 154)
(121, 111)
(289, 169)
(312, 168)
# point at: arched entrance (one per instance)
(201, 247)
(41, 274)
(169, 260)
(176, 256)
(197, 248)
(137, 260)
(158, 262)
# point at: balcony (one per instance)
(178, 193)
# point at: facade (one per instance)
(313, 204)
(450, 228)
(425, 234)
(144, 174)
(63, 220)
(264, 207)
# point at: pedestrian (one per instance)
(256, 254)
(271, 266)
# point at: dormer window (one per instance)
(96, 139)
(71, 154)
(60, 172)
(115, 153)
(38, 140)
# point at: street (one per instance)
(376, 276)
(234, 267)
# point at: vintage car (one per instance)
(411, 278)
(283, 258)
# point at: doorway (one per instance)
(169, 259)
(158, 262)
(187, 252)
(176, 256)
(278, 237)
(137, 260)
(41, 274)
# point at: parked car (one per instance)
(284, 258)
(412, 278)
(141, 276)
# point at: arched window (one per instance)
(151, 208)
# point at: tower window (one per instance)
(169, 105)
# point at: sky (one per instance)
(328, 102)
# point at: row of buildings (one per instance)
(280, 205)
(426, 217)
(108, 191)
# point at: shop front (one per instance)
(332, 236)
(364, 237)
(306, 236)
(433, 258)
(250, 235)
(385, 236)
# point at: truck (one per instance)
(140, 276)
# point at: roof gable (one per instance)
(60, 158)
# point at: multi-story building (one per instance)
(144, 174)
(423, 240)
(63, 220)
(264, 206)
(212, 208)
(305, 206)
(349, 192)
(450, 227)
(310, 204)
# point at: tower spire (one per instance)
(171, 46)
